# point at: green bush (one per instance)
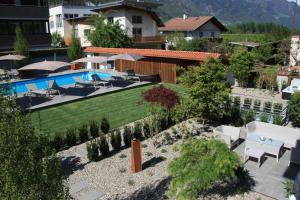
(147, 130)
(277, 120)
(116, 140)
(94, 129)
(127, 136)
(103, 146)
(105, 126)
(83, 133)
(235, 116)
(205, 162)
(92, 150)
(237, 101)
(57, 142)
(137, 131)
(249, 116)
(264, 117)
(278, 107)
(294, 108)
(71, 138)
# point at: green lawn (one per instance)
(260, 38)
(121, 108)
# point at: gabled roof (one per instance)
(191, 23)
(182, 55)
(129, 4)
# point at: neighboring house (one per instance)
(31, 15)
(137, 18)
(191, 27)
(61, 11)
(295, 51)
(81, 27)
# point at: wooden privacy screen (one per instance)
(164, 67)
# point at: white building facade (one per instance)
(60, 13)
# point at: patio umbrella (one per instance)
(12, 57)
(94, 59)
(130, 57)
(45, 66)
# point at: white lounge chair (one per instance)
(98, 81)
(32, 89)
(228, 134)
(83, 83)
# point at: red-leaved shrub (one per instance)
(161, 95)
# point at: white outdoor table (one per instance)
(255, 153)
(269, 145)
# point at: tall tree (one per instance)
(28, 170)
(20, 44)
(108, 34)
(208, 87)
(74, 50)
(242, 62)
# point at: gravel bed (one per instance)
(112, 177)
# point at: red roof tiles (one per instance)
(184, 55)
(190, 23)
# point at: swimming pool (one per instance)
(19, 87)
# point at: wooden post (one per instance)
(136, 156)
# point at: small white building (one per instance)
(191, 27)
(295, 51)
(63, 11)
(137, 18)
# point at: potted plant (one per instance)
(290, 189)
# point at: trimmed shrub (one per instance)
(235, 116)
(127, 136)
(205, 162)
(294, 109)
(116, 140)
(57, 142)
(147, 130)
(268, 107)
(92, 150)
(71, 138)
(94, 129)
(237, 101)
(249, 116)
(83, 133)
(105, 126)
(137, 131)
(163, 96)
(103, 146)
(277, 120)
(264, 117)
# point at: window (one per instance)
(137, 19)
(27, 27)
(58, 21)
(137, 32)
(86, 32)
(75, 31)
(110, 20)
(46, 26)
(38, 27)
(12, 27)
(52, 24)
(3, 28)
(212, 34)
(201, 34)
(75, 15)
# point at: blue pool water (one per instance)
(19, 87)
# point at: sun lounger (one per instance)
(32, 89)
(53, 88)
(83, 83)
(131, 75)
(98, 81)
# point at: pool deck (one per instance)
(78, 93)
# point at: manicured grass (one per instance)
(120, 108)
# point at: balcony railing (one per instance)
(152, 39)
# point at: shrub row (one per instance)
(81, 134)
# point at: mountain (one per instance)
(233, 11)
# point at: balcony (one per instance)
(23, 12)
(159, 39)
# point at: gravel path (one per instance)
(111, 178)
